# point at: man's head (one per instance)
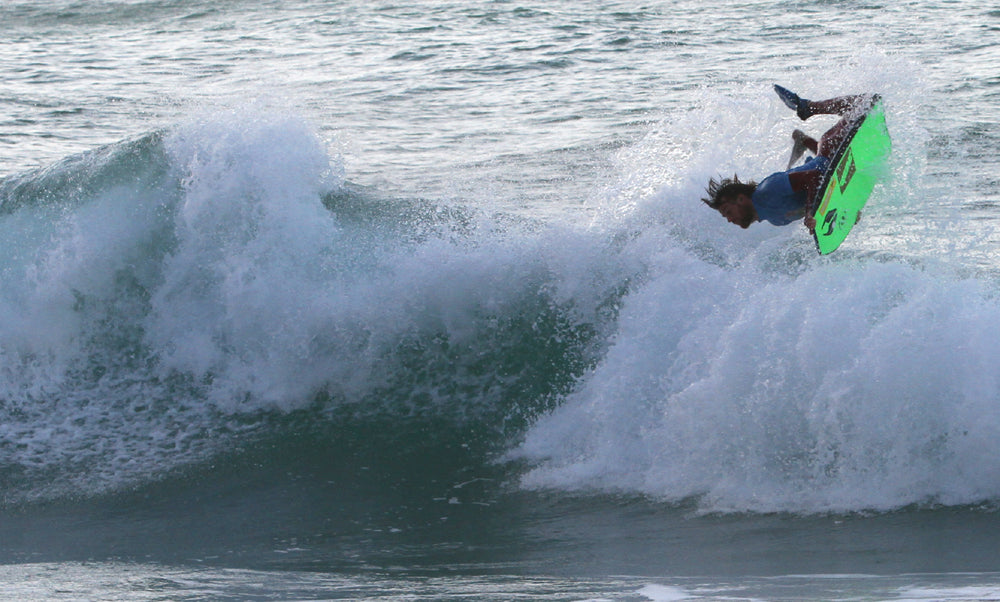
(731, 198)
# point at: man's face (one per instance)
(739, 211)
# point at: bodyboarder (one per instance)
(787, 196)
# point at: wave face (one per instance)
(218, 290)
(170, 298)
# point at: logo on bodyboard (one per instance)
(848, 165)
(829, 222)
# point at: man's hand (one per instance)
(810, 223)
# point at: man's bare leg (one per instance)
(800, 143)
(841, 105)
(850, 108)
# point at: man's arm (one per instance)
(808, 181)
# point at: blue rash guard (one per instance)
(774, 199)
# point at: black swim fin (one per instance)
(793, 101)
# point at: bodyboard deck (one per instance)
(856, 167)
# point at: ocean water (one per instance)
(418, 301)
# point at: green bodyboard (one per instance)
(858, 164)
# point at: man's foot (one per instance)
(792, 101)
(798, 147)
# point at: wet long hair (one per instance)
(726, 189)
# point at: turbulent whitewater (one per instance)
(422, 298)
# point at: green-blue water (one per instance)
(307, 300)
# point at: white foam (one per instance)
(663, 593)
(113, 295)
(240, 294)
